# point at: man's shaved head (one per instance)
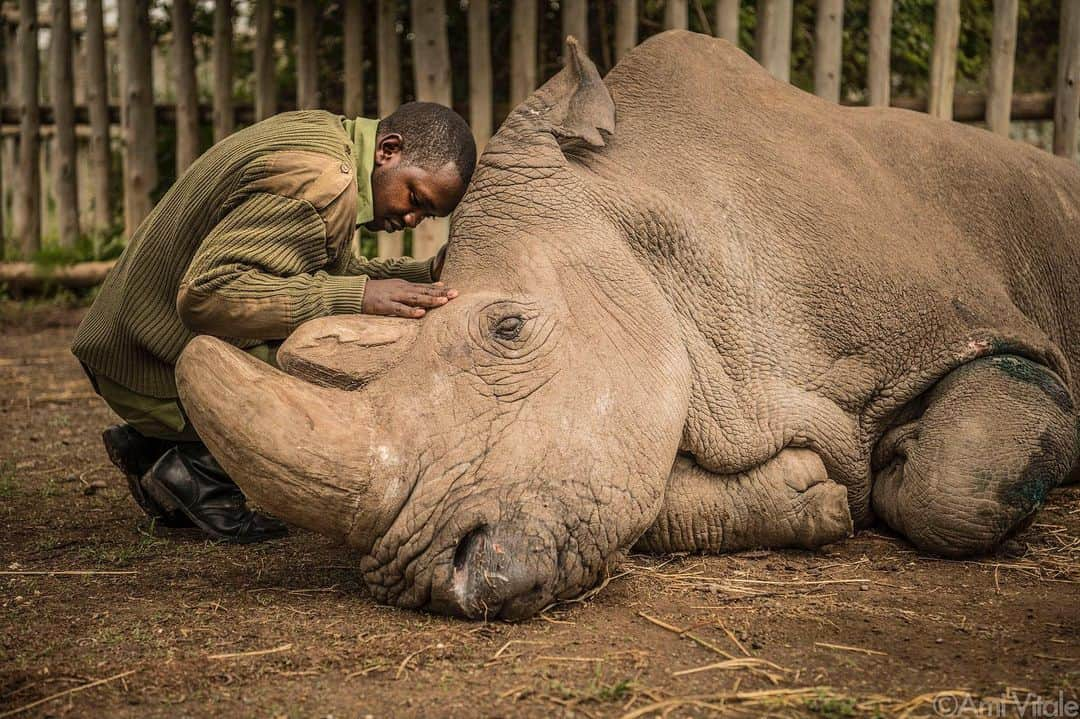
(432, 136)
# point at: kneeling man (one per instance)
(252, 240)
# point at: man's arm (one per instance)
(403, 268)
(259, 274)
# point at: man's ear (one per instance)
(387, 148)
(578, 104)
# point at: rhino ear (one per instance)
(578, 103)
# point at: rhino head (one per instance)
(495, 456)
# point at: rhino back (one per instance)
(831, 263)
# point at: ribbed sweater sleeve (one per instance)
(404, 268)
(259, 273)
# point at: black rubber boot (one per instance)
(134, 454)
(189, 476)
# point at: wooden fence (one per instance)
(102, 79)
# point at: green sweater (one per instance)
(254, 239)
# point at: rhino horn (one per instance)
(281, 439)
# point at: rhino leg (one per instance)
(788, 501)
(993, 438)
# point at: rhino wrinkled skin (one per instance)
(700, 310)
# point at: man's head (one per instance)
(424, 157)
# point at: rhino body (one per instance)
(700, 310)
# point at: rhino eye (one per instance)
(508, 328)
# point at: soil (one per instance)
(173, 625)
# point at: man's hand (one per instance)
(399, 298)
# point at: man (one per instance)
(251, 241)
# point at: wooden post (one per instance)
(1067, 98)
(65, 185)
(828, 49)
(626, 27)
(187, 96)
(224, 116)
(943, 62)
(354, 58)
(265, 75)
(27, 187)
(1002, 61)
(307, 70)
(480, 86)
(675, 15)
(389, 81)
(97, 100)
(575, 21)
(5, 99)
(773, 37)
(431, 63)
(878, 84)
(727, 20)
(523, 26)
(137, 110)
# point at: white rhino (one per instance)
(700, 310)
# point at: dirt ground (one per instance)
(102, 616)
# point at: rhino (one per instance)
(700, 311)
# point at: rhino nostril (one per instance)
(470, 546)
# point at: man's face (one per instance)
(403, 195)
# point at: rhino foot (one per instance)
(788, 501)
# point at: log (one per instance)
(523, 27)
(878, 83)
(431, 63)
(224, 118)
(354, 58)
(575, 21)
(97, 112)
(1002, 62)
(828, 47)
(480, 83)
(773, 37)
(137, 98)
(389, 81)
(307, 69)
(27, 187)
(187, 92)
(676, 16)
(727, 20)
(265, 72)
(27, 276)
(1067, 102)
(65, 182)
(943, 61)
(626, 27)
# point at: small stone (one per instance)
(939, 640)
(864, 587)
(93, 487)
(19, 598)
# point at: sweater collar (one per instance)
(362, 134)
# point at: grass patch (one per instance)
(8, 474)
(124, 555)
(832, 707)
